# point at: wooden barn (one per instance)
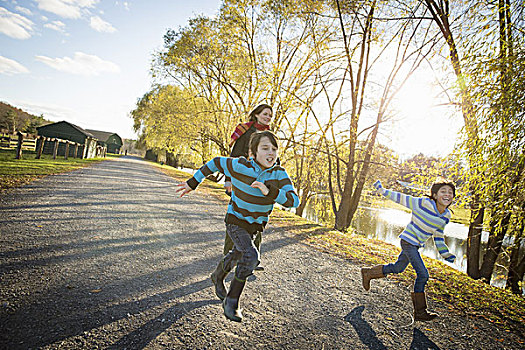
(71, 132)
(111, 141)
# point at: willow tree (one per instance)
(162, 117)
(499, 96)
(481, 57)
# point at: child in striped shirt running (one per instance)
(257, 184)
(429, 217)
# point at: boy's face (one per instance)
(266, 153)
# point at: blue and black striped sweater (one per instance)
(249, 208)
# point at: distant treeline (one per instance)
(14, 119)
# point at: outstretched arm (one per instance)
(398, 197)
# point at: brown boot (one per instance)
(231, 303)
(420, 308)
(217, 277)
(370, 273)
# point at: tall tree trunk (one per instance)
(498, 231)
(440, 15)
(343, 215)
(517, 266)
(474, 240)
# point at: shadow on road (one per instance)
(94, 248)
(420, 341)
(139, 338)
(363, 329)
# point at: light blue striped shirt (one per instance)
(426, 220)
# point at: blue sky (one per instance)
(85, 61)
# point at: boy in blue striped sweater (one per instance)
(429, 217)
(257, 184)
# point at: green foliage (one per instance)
(14, 119)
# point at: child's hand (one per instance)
(183, 188)
(261, 186)
(451, 258)
(228, 186)
(378, 185)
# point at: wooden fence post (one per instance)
(19, 145)
(66, 152)
(55, 149)
(41, 147)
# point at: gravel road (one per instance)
(108, 257)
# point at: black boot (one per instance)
(231, 302)
(217, 277)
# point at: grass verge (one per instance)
(461, 294)
(18, 172)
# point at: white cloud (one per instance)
(15, 25)
(66, 8)
(11, 67)
(81, 63)
(125, 4)
(56, 25)
(23, 10)
(100, 25)
(50, 111)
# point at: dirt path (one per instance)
(109, 257)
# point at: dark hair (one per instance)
(252, 116)
(437, 185)
(256, 138)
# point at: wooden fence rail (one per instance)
(25, 142)
(11, 141)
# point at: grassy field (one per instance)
(461, 294)
(18, 172)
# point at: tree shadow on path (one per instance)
(141, 337)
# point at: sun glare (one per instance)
(414, 99)
(421, 124)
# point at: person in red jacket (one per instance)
(258, 120)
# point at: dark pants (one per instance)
(228, 243)
(244, 254)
